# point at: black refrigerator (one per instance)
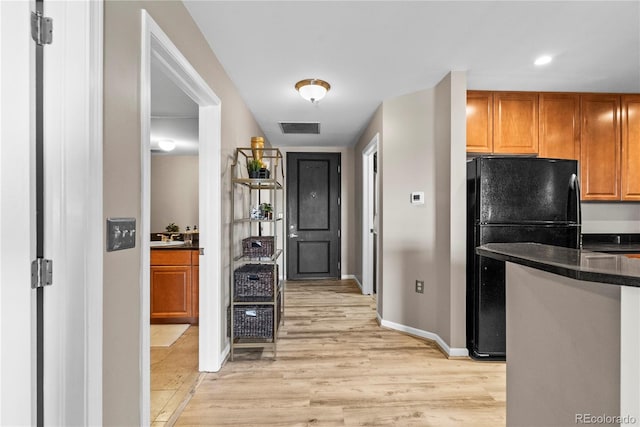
(512, 199)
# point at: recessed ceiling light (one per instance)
(167, 144)
(543, 60)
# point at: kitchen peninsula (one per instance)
(573, 341)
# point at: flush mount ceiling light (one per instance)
(313, 89)
(542, 60)
(166, 144)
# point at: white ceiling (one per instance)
(371, 51)
(173, 116)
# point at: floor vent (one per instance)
(300, 127)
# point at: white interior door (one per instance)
(370, 209)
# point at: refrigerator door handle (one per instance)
(578, 197)
(574, 185)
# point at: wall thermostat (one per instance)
(417, 198)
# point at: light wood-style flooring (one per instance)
(337, 367)
(174, 372)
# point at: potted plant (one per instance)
(266, 210)
(253, 167)
(172, 228)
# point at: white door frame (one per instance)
(74, 236)
(367, 215)
(157, 46)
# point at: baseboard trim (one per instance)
(448, 351)
(226, 351)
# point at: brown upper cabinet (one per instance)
(600, 147)
(630, 147)
(559, 125)
(479, 122)
(515, 122)
(601, 130)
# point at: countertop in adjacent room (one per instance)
(628, 243)
(576, 264)
(178, 247)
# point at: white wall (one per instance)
(122, 180)
(610, 217)
(174, 192)
(424, 150)
(409, 253)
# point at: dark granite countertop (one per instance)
(573, 263)
(623, 248)
(181, 246)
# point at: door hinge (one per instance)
(338, 233)
(338, 168)
(41, 28)
(338, 201)
(338, 265)
(41, 273)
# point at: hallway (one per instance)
(337, 367)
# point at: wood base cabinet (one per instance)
(174, 286)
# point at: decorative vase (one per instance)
(257, 145)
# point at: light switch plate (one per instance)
(417, 198)
(121, 234)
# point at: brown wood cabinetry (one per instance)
(630, 174)
(600, 147)
(559, 130)
(632, 255)
(479, 122)
(515, 122)
(174, 286)
(601, 130)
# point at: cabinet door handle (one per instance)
(292, 235)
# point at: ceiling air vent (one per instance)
(308, 128)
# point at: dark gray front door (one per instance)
(313, 215)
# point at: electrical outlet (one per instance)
(420, 286)
(121, 233)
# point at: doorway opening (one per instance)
(158, 50)
(370, 217)
(173, 283)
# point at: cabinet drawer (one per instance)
(170, 257)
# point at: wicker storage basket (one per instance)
(257, 246)
(253, 282)
(253, 321)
